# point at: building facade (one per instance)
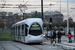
(56, 17)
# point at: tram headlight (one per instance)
(43, 35)
(29, 36)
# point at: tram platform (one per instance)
(65, 45)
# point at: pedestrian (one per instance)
(69, 36)
(54, 36)
(59, 36)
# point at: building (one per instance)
(56, 16)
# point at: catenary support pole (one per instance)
(67, 18)
(74, 28)
(42, 9)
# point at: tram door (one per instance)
(26, 31)
(18, 33)
(22, 34)
(14, 33)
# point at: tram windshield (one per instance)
(35, 29)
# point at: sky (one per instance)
(56, 6)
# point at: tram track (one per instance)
(29, 45)
(2, 47)
(43, 45)
(37, 47)
(16, 46)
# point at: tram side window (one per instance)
(26, 29)
(22, 30)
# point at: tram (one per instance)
(28, 31)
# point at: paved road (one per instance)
(46, 45)
(11, 45)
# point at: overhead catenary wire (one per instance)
(32, 1)
(32, 7)
(3, 5)
(23, 6)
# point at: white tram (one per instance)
(28, 31)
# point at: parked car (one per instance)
(63, 33)
(49, 34)
(44, 34)
(72, 33)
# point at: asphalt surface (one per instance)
(46, 45)
(11, 45)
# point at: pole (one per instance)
(23, 15)
(67, 18)
(60, 13)
(51, 33)
(42, 9)
(74, 32)
(60, 6)
(50, 24)
(74, 28)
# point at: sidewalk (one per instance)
(65, 45)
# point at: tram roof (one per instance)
(23, 21)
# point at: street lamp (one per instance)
(42, 9)
(67, 18)
(60, 6)
(50, 22)
(74, 27)
(51, 5)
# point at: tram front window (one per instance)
(35, 29)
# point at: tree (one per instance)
(64, 24)
(10, 13)
(71, 24)
(45, 25)
(26, 16)
(2, 24)
(36, 15)
(3, 13)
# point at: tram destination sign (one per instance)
(35, 25)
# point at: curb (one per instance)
(65, 47)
